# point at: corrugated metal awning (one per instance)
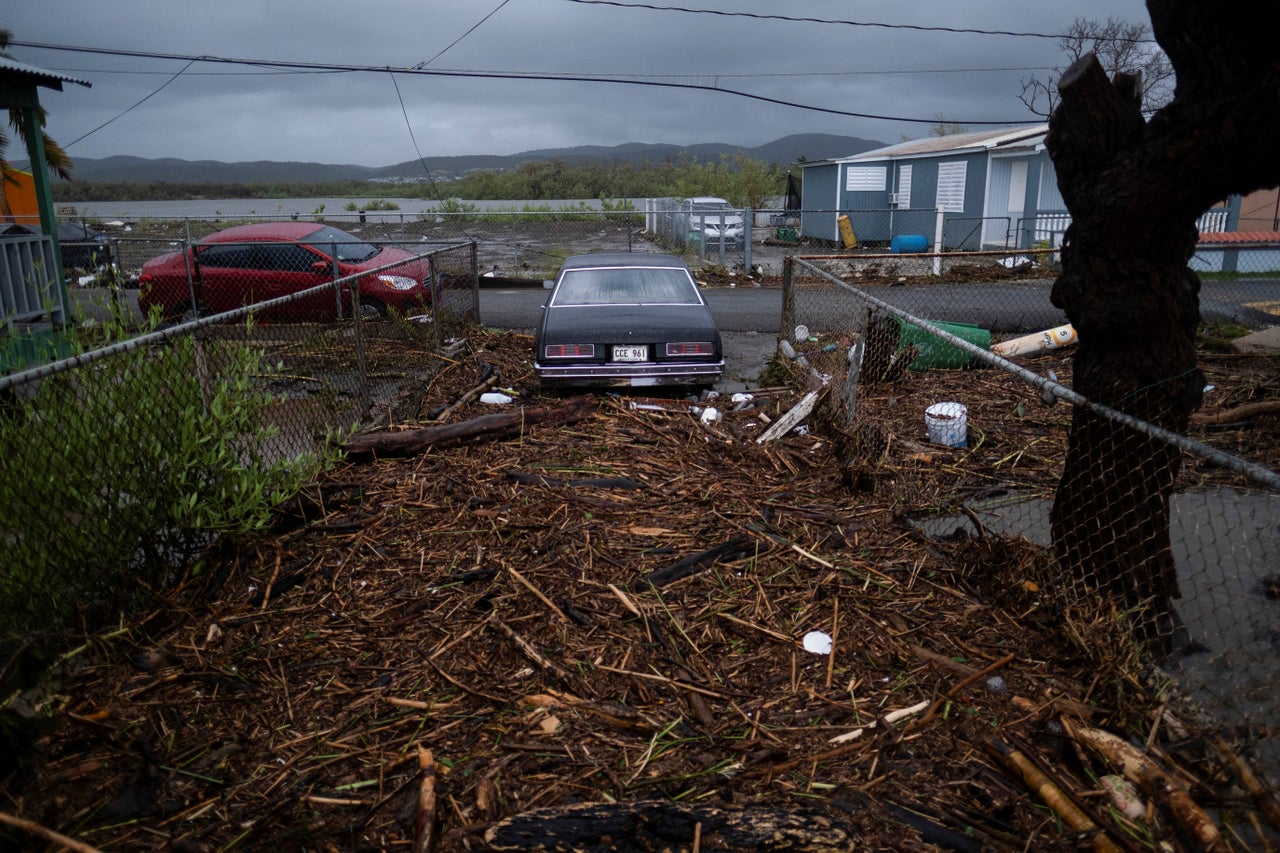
(40, 76)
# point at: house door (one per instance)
(1017, 189)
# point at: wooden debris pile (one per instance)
(590, 632)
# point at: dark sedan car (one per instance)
(252, 263)
(627, 319)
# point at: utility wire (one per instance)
(881, 72)
(474, 27)
(789, 18)
(130, 109)
(413, 138)
(502, 75)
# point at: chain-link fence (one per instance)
(969, 445)
(528, 244)
(121, 462)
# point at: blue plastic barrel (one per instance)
(905, 244)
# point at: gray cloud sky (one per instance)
(233, 112)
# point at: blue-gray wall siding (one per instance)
(818, 193)
(872, 219)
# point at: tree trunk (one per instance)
(1135, 189)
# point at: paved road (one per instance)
(1007, 307)
(750, 317)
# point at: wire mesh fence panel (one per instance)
(1067, 527)
(990, 291)
(121, 462)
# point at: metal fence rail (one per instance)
(531, 242)
(121, 462)
(998, 483)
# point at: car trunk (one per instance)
(620, 324)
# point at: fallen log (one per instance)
(424, 821)
(734, 549)
(1159, 785)
(1053, 795)
(376, 445)
(1239, 413)
(784, 425)
(664, 825)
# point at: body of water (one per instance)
(301, 208)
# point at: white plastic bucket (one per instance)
(948, 424)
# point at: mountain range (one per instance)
(784, 151)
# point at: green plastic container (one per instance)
(937, 353)
(785, 233)
(33, 346)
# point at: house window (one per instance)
(904, 186)
(866, 179)
(951, 186)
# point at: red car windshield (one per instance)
(350, 249)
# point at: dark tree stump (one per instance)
(1135, 189)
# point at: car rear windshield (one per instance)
(349, 248)
(626, 286)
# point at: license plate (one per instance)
(631, 353)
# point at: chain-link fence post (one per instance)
(475, 281)
(362, 366)
(787, 321)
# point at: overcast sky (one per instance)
(231, 112)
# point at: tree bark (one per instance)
(1135, 189)
(497, 425)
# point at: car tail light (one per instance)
(569, 350)
(697, 348)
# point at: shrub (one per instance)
(114, 475)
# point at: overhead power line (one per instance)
(472, 29)
(125, 112)
(836, 22)
(505, 75)
(872, 72)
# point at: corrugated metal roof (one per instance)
(983, 139)
(44, 77)
(1240, 237)
(1025, 136)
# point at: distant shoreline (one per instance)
(330, 207)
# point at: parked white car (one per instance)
(715, 220)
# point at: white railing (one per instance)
(1049, 227)
(29, 280)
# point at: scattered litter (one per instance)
(1209, 388)
(1124, 795)
(995, 684)
(711, 416)
(1058, 336)
(1016, 261)
(495, 398)
(801, 334)
(818, 642)
(947, 424)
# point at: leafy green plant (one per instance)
(114, 475)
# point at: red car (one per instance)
(252, 263)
